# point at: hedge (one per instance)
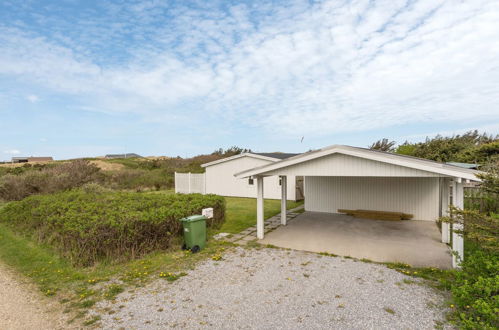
(475, 288)
(90, 226)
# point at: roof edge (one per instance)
(244, 154)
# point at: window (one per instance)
(250, 181)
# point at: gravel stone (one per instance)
(279, 289)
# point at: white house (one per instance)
(344, 177)
(220, 180)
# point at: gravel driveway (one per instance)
(279, 289)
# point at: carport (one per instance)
(344, 177)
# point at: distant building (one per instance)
(31, 159)
(130, 155)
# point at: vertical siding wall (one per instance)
(220, 180)
(418, 196)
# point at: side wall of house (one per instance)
(220, 180)
(415, 195)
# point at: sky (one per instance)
(86, 78)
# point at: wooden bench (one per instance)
(377, 215)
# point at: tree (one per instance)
(234, 150)
(470, 147)
(490, 178)
(406, 149)
(383, 145)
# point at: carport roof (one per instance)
(375, 155)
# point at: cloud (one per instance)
(321, 68)
(489, 129)
(33, 98)
(12, 152)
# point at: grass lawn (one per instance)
(240, 212)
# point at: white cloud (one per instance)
(12, 152)
(317, 69)
(33, 98)
(489, 129)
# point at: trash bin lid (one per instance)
(193, 218)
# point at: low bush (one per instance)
(481, 201)
(475, 288)
(49, 179)
(137, 179)
(27, 167)
(90, 225)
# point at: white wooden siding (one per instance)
(345, 165)
(417, 196)
(220, 180)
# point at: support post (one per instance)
(284, 197)
(259, 208)
(445, 202)
(457, 239)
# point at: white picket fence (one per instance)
(187, 183)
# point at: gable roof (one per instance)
(244, 154)
(272, 156)
(375, 155)
(278, 155)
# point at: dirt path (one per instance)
(21, 307)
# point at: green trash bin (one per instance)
(194, 232)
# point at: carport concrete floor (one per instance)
(411, 241)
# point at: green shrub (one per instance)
(27, 167)
(46, 179)
(137, 179)
(478, 227)
(89, 225)
(475, 288)
(480, 200)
